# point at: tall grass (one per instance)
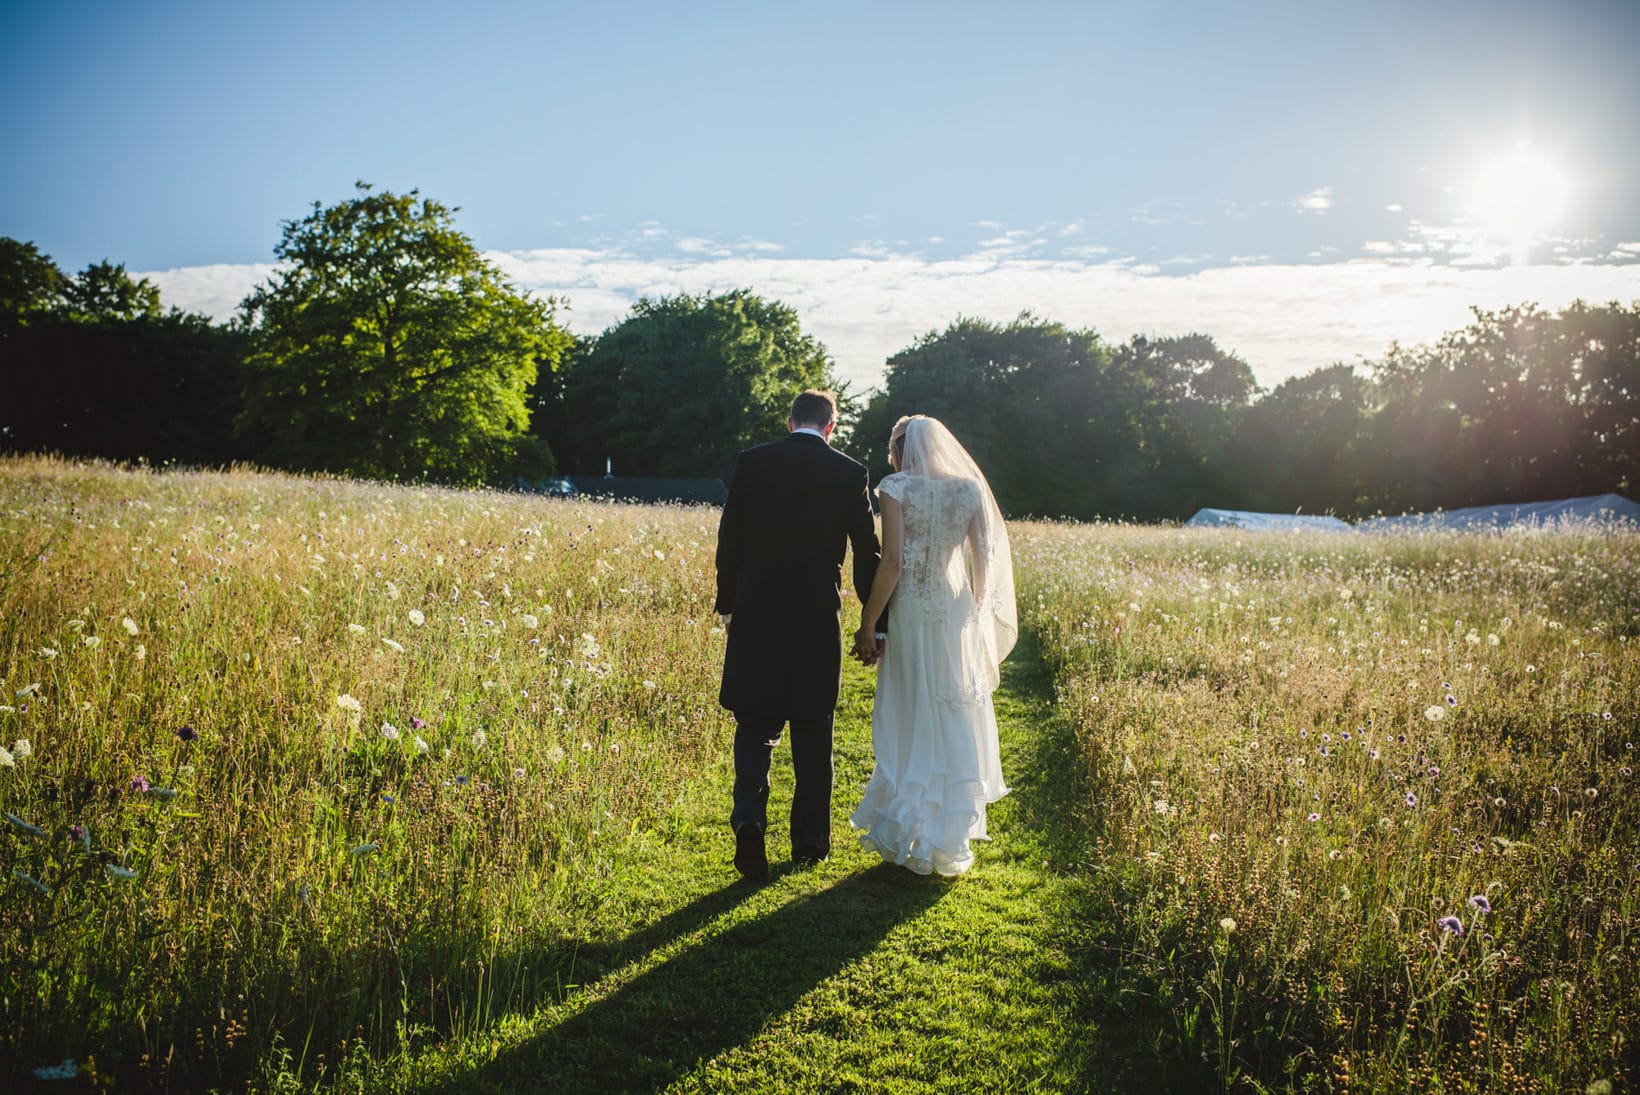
(319, 768)
(319, 773)
(1365, 804)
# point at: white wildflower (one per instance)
(1228, 924)
(92, 641)
(421, 745)
(22, 749)
(555, 755)
(390, 732)
(130, 625)
(48, 652)
(1434, 712)
(140, 652)
(395, 647)
(392, 591)
(6, 760)
(357, 629)
(529, 621)
(417, 618)
(28, 690)
(479, 738)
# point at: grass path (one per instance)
(851, 975)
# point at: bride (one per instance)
(947, 565)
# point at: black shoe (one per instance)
(750, 859)
(806, 858)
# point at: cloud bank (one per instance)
(1284, 319)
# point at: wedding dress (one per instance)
(951, 622)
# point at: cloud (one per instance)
(1283, 318)
(1394, 207)
(1318, 200)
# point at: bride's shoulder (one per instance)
(894, 486)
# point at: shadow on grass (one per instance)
(714, 996)
(1122, 1041)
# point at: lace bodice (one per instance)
(938, 519)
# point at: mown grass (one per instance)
(521, 881)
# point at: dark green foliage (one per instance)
(387, 346)
(684, 383)
(92, 367)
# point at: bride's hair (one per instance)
(896, 439)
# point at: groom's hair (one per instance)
(814, 408)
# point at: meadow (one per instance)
(317, 783)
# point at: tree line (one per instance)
(387, 346)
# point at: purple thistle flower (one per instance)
(1412, 799)
(1480, 902)
(140, 784)
(416, 724)
(1451, 924)
(1451, 700)
(1315, 817)
(188, 733)
(1400, 739)
(1445, 687)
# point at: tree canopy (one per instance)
(684, 383)
(387, 346)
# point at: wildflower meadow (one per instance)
(311, 783)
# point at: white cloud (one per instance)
(1394, 207)
(1284, 319)
(1318, 200)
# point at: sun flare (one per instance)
(1518, 197)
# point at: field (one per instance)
(312, 783)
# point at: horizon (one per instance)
(882, 172)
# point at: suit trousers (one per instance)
(755, 741)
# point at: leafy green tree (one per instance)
(30, 283)
(684, 383)
(1300, 447)
(387, 346)
(1037, 404)
(104, 291)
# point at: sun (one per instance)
(1518, 197)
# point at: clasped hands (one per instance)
(868, 646)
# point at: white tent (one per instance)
(1595, 507)
(1264, 522)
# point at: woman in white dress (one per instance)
(947, 567)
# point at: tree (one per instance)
(684, 383)
(387, 346)
(104, 291)
(30, 283)
(1036, 404)
(1299, 448)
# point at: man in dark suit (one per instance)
(794, 505)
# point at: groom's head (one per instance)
(814, 410)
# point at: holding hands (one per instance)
(868, 645)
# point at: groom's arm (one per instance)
(731, 545)
(862, 535)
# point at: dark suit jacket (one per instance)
(794, 506)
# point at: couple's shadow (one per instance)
(714, 995)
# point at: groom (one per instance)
(794, 505)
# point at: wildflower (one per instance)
(1161, 807)
(1531, 669)
(92, 641)
(187, 733)
(589, 647)
(130, 625)
(140, 651)
(417, 618)
(354, 709)
(6, 760)
(1434, 712)
(357, 629)
(1607, 715)
(1228, 924)
(529, 621)
(121, 874)
(1492, 639)
(555, 755)
(1480, 903)
(362, 849)
(24, 827)
(395, 647)
(392, 591)
(1451, 924)
(390, 732)
(1313, 818)
(1591, 793)
(479, 738)
(1214, 838)
(1335, 855)
(1373, 754)
(649, 685)
(1412, 799)
(22, 749)
(518, 773)
(48, 653)
(422, 746)
(387, 798)
(1433, 771)
(28, 690)
(1451, 700)
(140, 784)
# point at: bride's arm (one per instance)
(978, 553)
(882, 586)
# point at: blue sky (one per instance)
(1299, 180)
